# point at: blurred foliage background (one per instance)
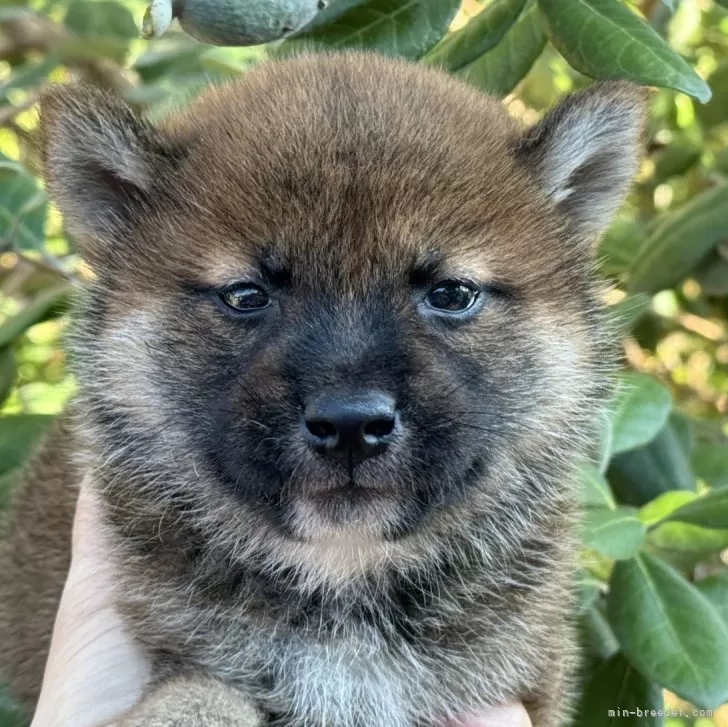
(653, 587)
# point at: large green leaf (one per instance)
(47, 303)
(708, 511)
(22, 206)
(617, 694)
(478, 36)
(499, 70)
(640, 410)
(604, 39)
(615, 533)
(669, 630)
(715, 589)
(18, 434)
(663, 464)
(710, 460)
(406, 28)
(681, 241)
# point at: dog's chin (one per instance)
(344, 511)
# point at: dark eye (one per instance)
(452, 296)
(245, 298)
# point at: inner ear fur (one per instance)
(586, 151)
(102, 161)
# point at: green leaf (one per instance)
(588, 589)
(669, 630)
(663, 464)
(22, 206)
(104, 28)
(617, 534)
(499, 70)
(710, 461)
(663, 505)
(594, 488)
(101, 17)
(708, 511)
(715, 589)
(406, 28)
(7, 372)
(18, 434)
(617, 685)
(640, 410)
(478, 36)
(676, 159)
(46, 304)
(620, 245)
(11, 715)
(684, 545)
(596, 634)
(604, 39)
(681, 241)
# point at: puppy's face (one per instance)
(343, 293)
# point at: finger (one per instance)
(94, 671)
(512, 715)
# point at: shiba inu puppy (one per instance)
(341, 355)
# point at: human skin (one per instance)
(94, 672)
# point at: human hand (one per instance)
(95, 672)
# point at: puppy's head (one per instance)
(342, 294)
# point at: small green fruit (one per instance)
(231, 22)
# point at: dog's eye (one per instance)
(245, 298)
(452, 296)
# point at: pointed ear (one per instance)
(102, 162)
(585, 152)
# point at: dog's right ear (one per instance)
(102, 162)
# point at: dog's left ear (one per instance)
(585, 152)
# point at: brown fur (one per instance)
(349, 171)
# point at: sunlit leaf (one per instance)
(708, 511)
(477, 37)
(615, 533)
(499, 70)
(604, 39)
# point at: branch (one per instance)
(29, 32)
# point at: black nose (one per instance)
(351, 427)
